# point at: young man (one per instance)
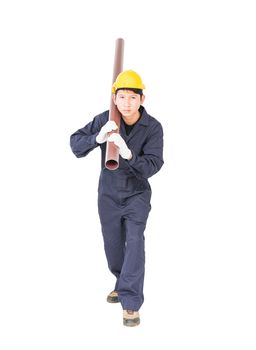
(124, 194)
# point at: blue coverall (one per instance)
(124, 199)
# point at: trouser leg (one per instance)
(131, 280)
(113, 236)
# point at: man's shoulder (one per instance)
(101, 118)
(152, 121)
(103, 115)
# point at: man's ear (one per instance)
(142, 99)
(114, 98)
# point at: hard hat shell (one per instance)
(128, 79)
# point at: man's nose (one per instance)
(127, 101)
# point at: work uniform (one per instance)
(124, 199)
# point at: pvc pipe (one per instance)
(112, 151)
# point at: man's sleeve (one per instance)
(151, 160)
(83, 140)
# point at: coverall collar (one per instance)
(144, 116)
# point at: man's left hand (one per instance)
(124, 151)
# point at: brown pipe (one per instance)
(112, 152)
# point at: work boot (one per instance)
(131, 318)
(113, 297)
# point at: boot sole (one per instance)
(131, 323)
(112, 300)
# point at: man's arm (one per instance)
(151, 161)
(83, 140)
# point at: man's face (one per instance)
(128, 103)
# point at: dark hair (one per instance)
(136, 91)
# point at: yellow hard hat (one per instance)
(128, 79)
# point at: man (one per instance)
(124, 194)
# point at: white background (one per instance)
(197, 60)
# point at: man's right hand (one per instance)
(103, 134)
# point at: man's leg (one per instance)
(113, 234)
(131, 280)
